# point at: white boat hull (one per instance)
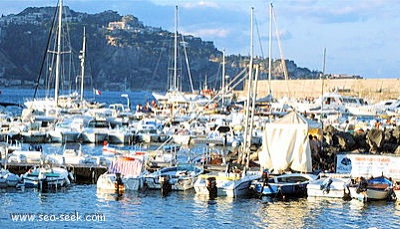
(180, 178)
(133, 183)
(180, 184)
(47, 178)
(107, 182)
(336, 189)
(370, 194)
(397, 193)
(94, 137)
(63, 137)
(230, 185)
(182, 139)
(8, 179)
(115, 138)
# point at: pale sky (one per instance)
(360, 37)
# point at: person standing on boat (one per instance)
(318, 147)
(314, 148)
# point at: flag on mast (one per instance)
(96, 91)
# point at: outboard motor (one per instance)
(71, 177)
(362, 185)
(43, 184)
(265, 176)
(212, 187)
(166, 187)
(326, 185)
(119, 184)
(264, 179)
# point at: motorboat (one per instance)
(33, 154)
(331, 185)
(131, 169)
(333, 101)
(282, 185)
(111, 150)
(120, 136)
(67, 130)
(8, 179)
(223, 135)
(180, 177)
(374, 188)
(72, 154)
(163, 156)
(182, 137)
(150, 130)
(110, 182)
(124, 173)
(95, 131)
(47, 177)
(233, 182)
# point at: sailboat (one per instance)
(175, 97)
(55, 74)
(286, 149)
(235, 181)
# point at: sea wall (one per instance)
(372, 89)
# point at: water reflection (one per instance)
(188, 210)
(111, 195)
(276, 214)
(397, 208)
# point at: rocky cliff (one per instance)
(122, 52)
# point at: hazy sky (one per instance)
(361, 37)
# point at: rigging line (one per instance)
(285, 72)
(187, 63)
(157, 64)
(217, 79)
(45, 52)
(175, 83)
(217, 97)
(259, 37)
(270, 50)
(70, 69)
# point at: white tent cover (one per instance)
(285, 145)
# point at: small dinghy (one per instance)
(375, 188)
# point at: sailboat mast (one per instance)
(175, 84)
(270, 49)
(248, 111)
(322, 85)
(58, 54)
(82, 58)
(223, 78)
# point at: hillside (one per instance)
(122, 53)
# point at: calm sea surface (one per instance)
(148, 209)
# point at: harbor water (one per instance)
(82, 206)
(148, 209)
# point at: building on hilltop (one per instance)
(343, 76)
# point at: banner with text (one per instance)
(367, 165)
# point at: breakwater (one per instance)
(373, 90)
